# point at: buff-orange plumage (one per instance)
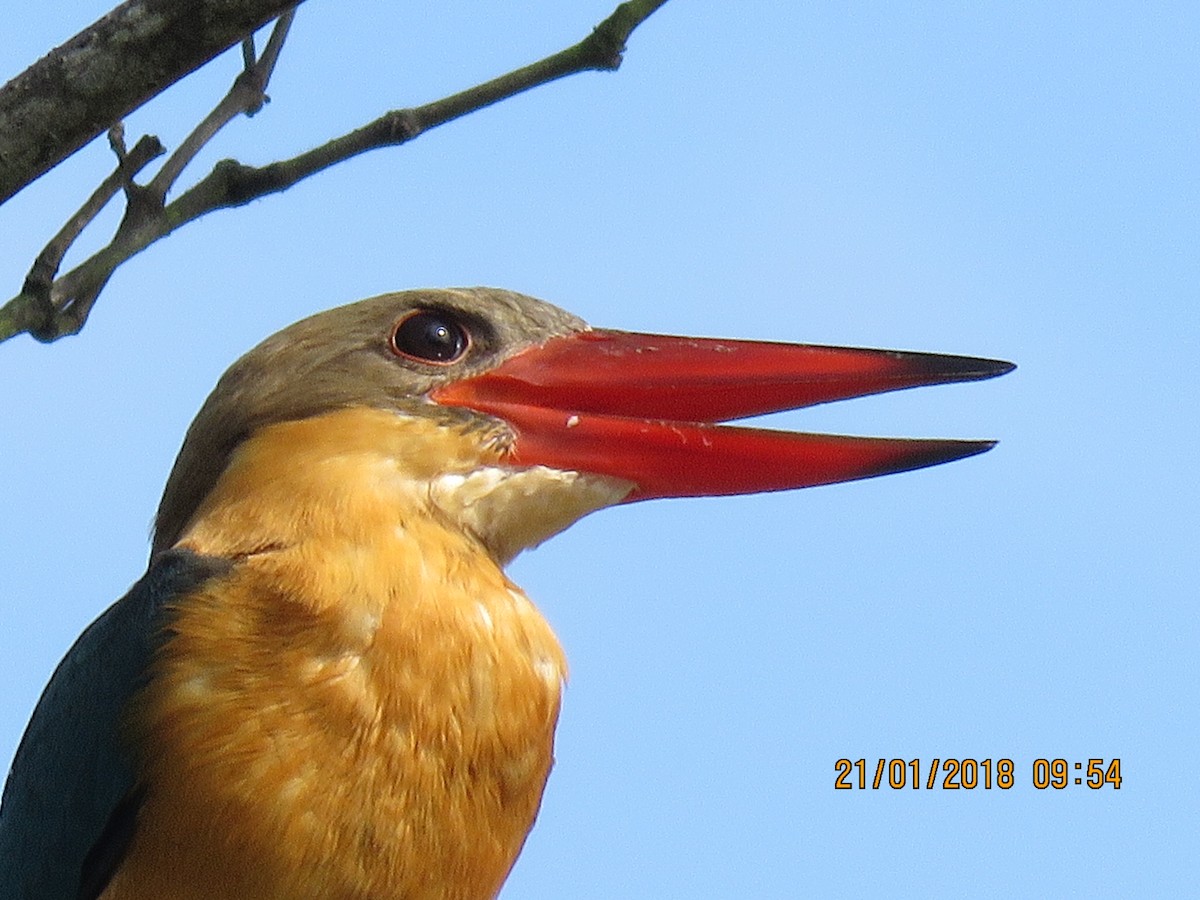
(325, 685)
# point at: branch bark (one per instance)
(52, 308)
(96, 78)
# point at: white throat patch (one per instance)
(510, 510)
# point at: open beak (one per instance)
(645, 408)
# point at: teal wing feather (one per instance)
(69, 806)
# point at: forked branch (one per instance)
(51, 306)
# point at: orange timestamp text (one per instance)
(970, 774)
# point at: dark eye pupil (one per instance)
(430, 336)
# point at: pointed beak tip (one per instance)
(910, 454)
(982, 446)
(997, 368)
(962, 368)
(962, 449)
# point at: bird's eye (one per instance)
(430, 336)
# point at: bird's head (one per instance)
(517, 418)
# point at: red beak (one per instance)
(644, 408)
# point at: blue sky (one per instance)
(1017, 181)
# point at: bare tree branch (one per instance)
(233, 184)
(246, 96)
(53, 308)
(78, 90)
(41, 276)
(49, 311)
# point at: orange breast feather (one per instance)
(363, 707)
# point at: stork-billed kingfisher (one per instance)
(325, 686)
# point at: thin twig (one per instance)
(245, 96)
(234, 184)
(231, 183)
(109, 69)
(39, 282)
(58, 308)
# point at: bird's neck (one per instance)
(350, 475)
(366, 688)
(354, 474)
